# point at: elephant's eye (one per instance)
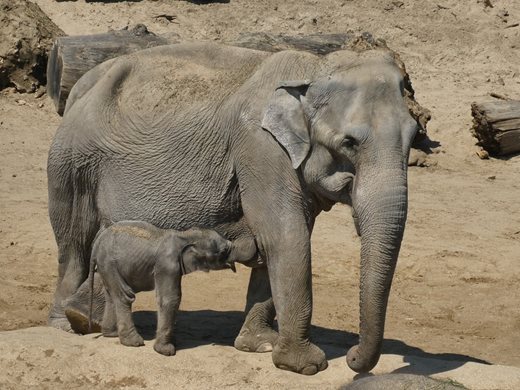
(348, 143)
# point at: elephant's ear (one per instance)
(285, 119)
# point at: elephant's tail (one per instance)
(91, 296)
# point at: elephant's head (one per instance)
(349, 132)
(204, 250)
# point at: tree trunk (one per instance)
(496, 124)
(71, 57)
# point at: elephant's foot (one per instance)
(61, 323)
(256, 340)
(131, 339)
(166, 349)
(257, 334)
(79, 321)
(306, 359)
(77, 308)
(110, 331)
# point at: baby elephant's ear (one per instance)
(285, 119)
(187, 259)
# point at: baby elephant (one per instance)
(134, 256)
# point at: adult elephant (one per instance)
(254, 145)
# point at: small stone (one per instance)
(487, 3)
(482, 154)
(21, 102)
(491, 177)
(39, 93)
(502, 15)
(14, 174)
(41, 105)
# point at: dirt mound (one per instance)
(26, 34)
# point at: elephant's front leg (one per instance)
(275, 210)
(168, 294)
(257, 334)
(289, 265)
(283, 239)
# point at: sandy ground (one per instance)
(46, 358)
(456, 292)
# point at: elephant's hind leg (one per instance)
(74, 220)
(77, 307)
(122, 296)
(257, 334)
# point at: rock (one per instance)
(402, 382)
(486, 3)
(503, 14)
(482, 154)
(417, 158)
(26, 34)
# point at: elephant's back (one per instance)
(182, 78)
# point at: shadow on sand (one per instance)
(202, 327)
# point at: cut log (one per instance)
(318, 44)
(71, 57)
(496, 124)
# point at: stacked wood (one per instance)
(71, 57)
(496, 124)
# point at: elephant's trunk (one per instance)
(380, 202)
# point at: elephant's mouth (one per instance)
(346, 192)
(349, 186)
(341, 190)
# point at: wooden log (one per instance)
(496, 124)
(71, 57)
(318, 43)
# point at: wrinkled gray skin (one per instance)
(401, 382)
(253, 145)
(134, 256)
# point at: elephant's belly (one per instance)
(170, 197)
(206, 204)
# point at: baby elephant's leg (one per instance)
(168, 292)
(122, 297)
(109, 324)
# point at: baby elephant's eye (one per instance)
(348, 142)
